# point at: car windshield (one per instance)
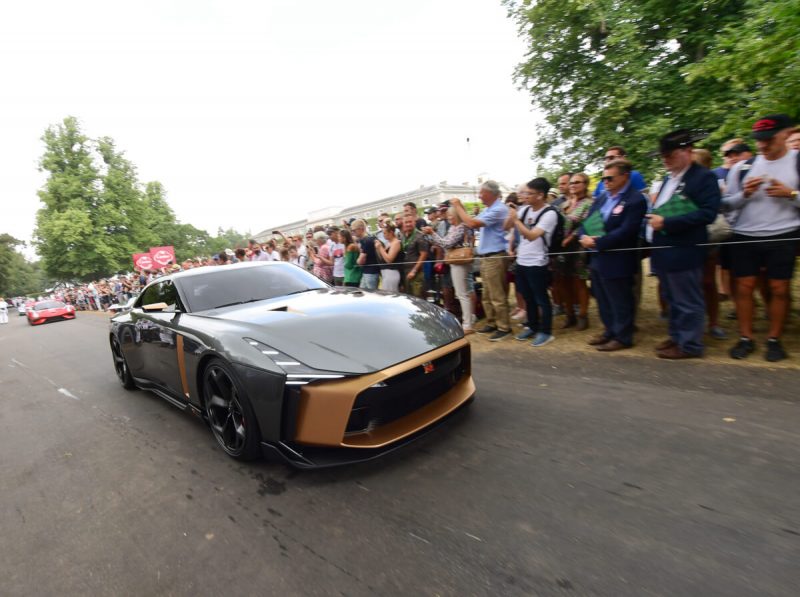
(48, 305)
(233, 285)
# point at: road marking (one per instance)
(473, 537)
(16, 362)
(67, 393)
(420, 538)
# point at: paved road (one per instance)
(584, 476)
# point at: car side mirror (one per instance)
(155, 307)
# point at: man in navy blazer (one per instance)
(687, 202)
(621, 208)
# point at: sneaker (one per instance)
(519, 314)
(499, 335)
(717, 333)
(487, 329)
(742, 349)
(731, 316)
(525, 334)
(775, 351)
(542, 339)
(558, 310)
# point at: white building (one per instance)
(424, 196)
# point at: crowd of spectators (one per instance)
(708, 234)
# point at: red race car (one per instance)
(44, 311)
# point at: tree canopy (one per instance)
(96, 213)
(17, 276)
(625, 72)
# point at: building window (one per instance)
(426, 202)
(367, 214)
(395, 209)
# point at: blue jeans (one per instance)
(369, 281)
(687, 308)
(532, 282)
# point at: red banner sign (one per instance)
(142, 261)
(162, 256)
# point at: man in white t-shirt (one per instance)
(535, 222)
(765, 197)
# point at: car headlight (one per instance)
(33, 313)
(297, 373)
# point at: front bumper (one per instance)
(355, 419)
(315, 457)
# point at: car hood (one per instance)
(346, 330)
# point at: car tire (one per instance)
(121, 366)
(229, 413)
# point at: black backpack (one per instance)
(557, 238)
(745, 169)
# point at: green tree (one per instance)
(95, 214)
(227, 239)
(758, 57)
(8, 262)
(65, 235)
(607, 73)
(121, 217)
(17, 275)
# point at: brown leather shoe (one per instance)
(598, 340)
(611, 346)
(675, 353)
(668, 343)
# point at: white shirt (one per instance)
(337, 252)
(534, 252)
(760, 214)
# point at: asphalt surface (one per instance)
(569, 475)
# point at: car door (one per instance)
(142, 327)
(166, 352)
(163, 358)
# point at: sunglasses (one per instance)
(576, 182)
(608, 178)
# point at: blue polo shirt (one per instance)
(493, 237)
(613, 201)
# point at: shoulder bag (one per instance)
(461, 254)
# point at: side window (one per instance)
(149, 296)
(167, 293)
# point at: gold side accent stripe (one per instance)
(182, 364)
(325, 408)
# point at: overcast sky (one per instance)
(254, 113)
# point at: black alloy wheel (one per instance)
(229, 413)
(121, 366)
